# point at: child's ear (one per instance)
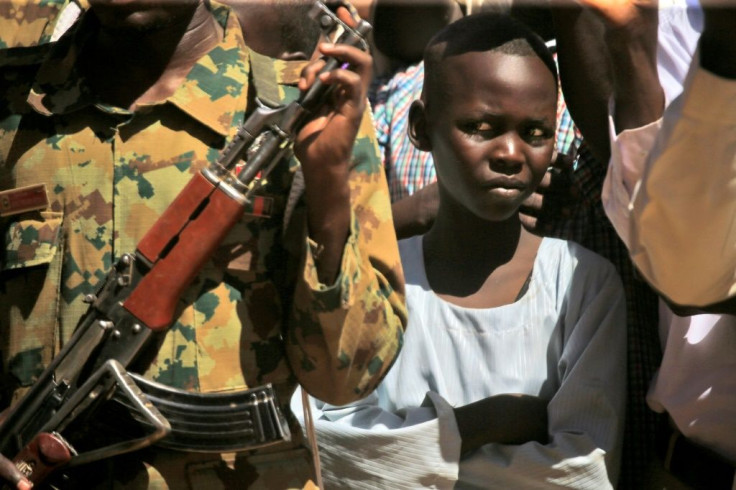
(418, 126)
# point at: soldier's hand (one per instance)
(325, 147)
(328, 138)
(10, 474)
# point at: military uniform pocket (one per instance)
(32, 242)
(29, 298)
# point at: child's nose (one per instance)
(506, 154)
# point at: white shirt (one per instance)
(564, 340)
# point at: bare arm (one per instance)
(631, 39)
(585, 73)
(414, 215)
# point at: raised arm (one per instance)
(348, 314)
(584, 72)
(631, 40)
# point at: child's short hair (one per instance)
(484, 32)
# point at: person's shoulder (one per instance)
(577, 259)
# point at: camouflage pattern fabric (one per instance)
(28, 26)
(25, 23)
(257, 313)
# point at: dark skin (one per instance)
(170, 38)
(491, 136)
(414, 214)
(277, 28)
(155, 49)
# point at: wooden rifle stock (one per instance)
(178, 245)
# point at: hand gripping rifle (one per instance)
(138, 299)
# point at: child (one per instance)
(512, 373)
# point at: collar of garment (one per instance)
(214, 92)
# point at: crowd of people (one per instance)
(499, 254)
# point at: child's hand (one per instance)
(509, 418)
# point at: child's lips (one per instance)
(505, 187)
(506, 192)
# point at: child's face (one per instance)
(492, 130)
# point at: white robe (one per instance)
(564, 340)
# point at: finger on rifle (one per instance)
(309, 74)
(10, 473)
(348, 81)
(360, 61)
(344, 15)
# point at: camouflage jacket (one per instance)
(257, 312)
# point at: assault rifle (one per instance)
(89, 376)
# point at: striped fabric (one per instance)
(407, 169)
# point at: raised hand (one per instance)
(324, 148)
(621, 13)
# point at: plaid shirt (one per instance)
(407, 169)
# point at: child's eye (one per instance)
(477, 127)
(537, 134)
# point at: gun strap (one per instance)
(312, 437)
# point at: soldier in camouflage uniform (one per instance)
(311, 296)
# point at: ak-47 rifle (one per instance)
(89, 374)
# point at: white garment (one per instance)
(683, 222)
(564, 340)
(680, 25)
(696, 383)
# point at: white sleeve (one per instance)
(680, 25)
(363, 446)
(683, 238)
(629, 151)
(586, 414)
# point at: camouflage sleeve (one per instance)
(26, 23)
(346, 336)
